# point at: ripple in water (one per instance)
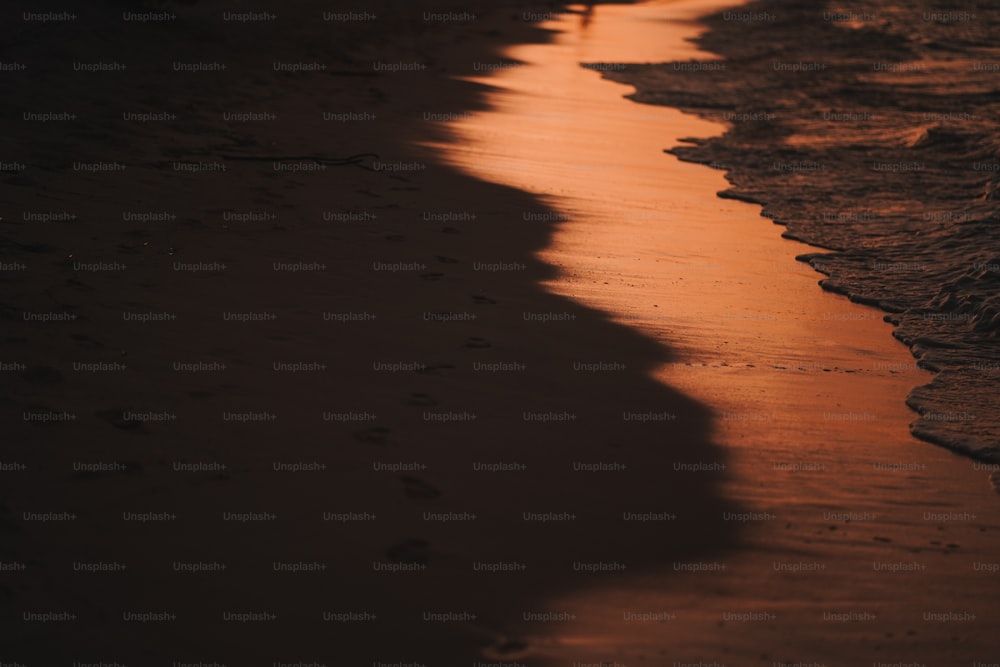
(871, 130)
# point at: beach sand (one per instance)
(851, 530)
(461, 350)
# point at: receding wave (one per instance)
(869, 129)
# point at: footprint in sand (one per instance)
(376, 435)
(409, 551)
(424, 400)
(38, 248)
(417, 488)
(79, 285)
(87, 341)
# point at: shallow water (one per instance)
(869, 129)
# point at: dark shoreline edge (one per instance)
(102, 431)
(749, 38)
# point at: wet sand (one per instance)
(854, 530)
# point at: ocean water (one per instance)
(870, 130)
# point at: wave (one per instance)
(869, 130)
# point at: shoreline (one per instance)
(190, 446)
(443, 438)
(806, 389)
(815, 161)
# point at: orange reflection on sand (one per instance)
(792, 372)
(539, 136)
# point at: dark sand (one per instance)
(147, 417)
